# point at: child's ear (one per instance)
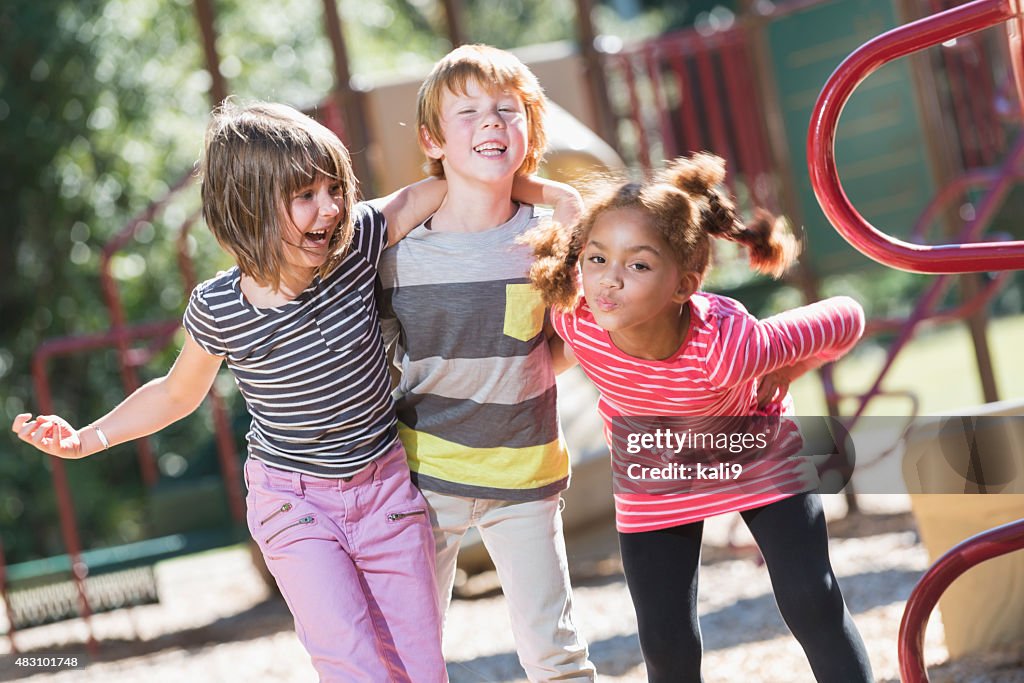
(430, 148)
(689, 283)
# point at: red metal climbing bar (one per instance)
(899, 42)
(975, 550)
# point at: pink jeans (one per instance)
(355, 562)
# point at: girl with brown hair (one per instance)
(655, 345)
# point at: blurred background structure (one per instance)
(102, 108)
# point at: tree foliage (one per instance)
(102, 108)
(96, 121)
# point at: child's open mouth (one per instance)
(317, 237)
(490, 149)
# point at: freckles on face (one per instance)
(484, 131)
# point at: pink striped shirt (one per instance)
(714, 372)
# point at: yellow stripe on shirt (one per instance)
(503, 468)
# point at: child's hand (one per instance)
(50, 434)
(564, 199)
(773, 386)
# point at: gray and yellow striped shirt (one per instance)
(476, 399)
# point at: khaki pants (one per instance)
(526, 544)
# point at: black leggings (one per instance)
(661, 572)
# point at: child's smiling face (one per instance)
(313, 216)
(485, 134)
(630, 277)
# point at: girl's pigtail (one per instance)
(556, 251)
(771, 246)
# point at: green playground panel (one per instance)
(881, 151)
(116, 558)
(183, 517)
(43, 591)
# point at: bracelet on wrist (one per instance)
(101, 436)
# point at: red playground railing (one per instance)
(135, 344)
(961, 557)
(927, 32)
(940, 259)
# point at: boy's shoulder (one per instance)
(529, 216)
(537, 214)
(540, 211)
(525, 217)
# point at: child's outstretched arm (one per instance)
(406, 208)
(565, 200)
(818, 333)
(149, 409)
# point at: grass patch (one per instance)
(938, 365)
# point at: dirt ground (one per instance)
(218, 622)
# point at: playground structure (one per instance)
(195, 516)
(943, 259)
(644, 109)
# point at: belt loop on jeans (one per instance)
(297, 484)
(374, 468)
(378, 466)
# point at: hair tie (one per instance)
(719, 220)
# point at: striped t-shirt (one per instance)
(476, 399)
(714, 372)
(312, 371)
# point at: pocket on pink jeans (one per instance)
(275, 517)
(280, 535)
(409, 520)
(411, 515)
